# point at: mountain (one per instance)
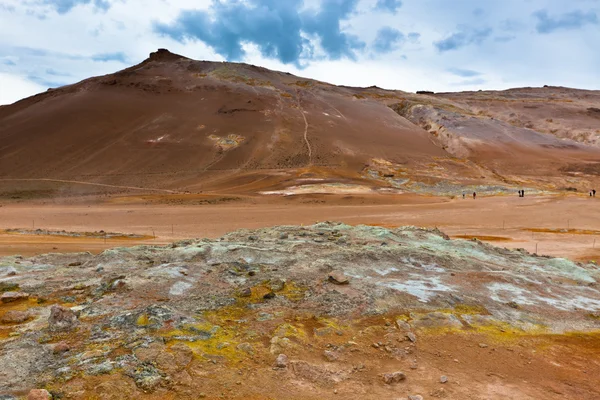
(172, 123)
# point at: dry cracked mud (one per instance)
(323, 311)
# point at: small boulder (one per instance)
(9, 297)
(393, 377)
(270, 295)
(403, 325)
(443, 379)
(62, 318)
(281, 361)
(277, 285)
(338, 278)
(39, 394)
(61, 347)
(330, 355)
(411, 336)
(415, 397)
(247, 292)
(15, 317)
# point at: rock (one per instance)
(61, 347)
(39, 394)
(277, 285)
(402, 325)
(283, 236)
(443, 379)
(338, 278)
(100, 369)
(281, 361)
(270, 295)
(15, 317)
(247, 292)
(393, 377)
(330, 355)
(9, 297)
(246, 347)
(483, 345)
(411, 336)
(62, 318)
(513, 304)
(75, 264)
(415, 397)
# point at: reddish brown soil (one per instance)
(172, 217)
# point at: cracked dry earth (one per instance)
(325, 311)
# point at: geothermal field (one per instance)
(187, 229)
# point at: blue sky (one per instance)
(440, 45)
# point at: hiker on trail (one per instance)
(594, 191)
(590, 193)
(522, 193)
(463, 195)
(474, 195)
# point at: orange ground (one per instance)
(506, 221)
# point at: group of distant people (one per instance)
(522, 194)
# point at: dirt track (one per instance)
(505, 221)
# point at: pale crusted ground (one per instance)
(346, 305)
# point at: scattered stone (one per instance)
(393, 377)
(253, 238)
(62, 318)
(338, 278)
(283, 236)
(483, 345)
(277, 285)
(246, 347)
(513, 304)
(281, 361)
(61, 347)
(443, 379)
(415, 397)
(411, 336)
(331, 355)
(270, 295)
(15, 317)
(403, 325)
(75, 264)
(100, 369)
(39, 394)
(247, 292)
(9, 297)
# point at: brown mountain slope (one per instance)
(179, 124)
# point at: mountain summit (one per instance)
(174, 123)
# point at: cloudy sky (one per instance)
(440, 45)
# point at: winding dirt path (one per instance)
(305, 128)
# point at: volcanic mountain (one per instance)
(173, 123)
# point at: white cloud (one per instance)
(34, 41)
(14, 88)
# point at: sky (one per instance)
(438, 45)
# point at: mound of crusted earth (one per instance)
(301, 312)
